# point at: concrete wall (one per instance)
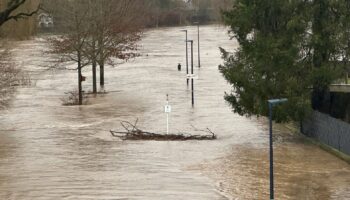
(328, 130)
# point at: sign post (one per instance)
(187, 81)
(192, 82)
(167, 110)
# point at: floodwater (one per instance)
(49, 151)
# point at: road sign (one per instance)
(191, 76)
(167, 109)
(82, 78)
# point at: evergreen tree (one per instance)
(288, 49)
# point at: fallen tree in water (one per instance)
(133, 133)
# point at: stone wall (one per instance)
(328, 130)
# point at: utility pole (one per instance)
(192, 80)
(272, 191)
(199, 52)
(272, 103)
(187, 81)
(192, 75)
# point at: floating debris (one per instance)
(133, 133)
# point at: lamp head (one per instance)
(277, 101)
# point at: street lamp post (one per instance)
(192, 81)
(186, 56)
(272, 102)
(199, 52)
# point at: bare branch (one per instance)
(133, 133)
(12, 6)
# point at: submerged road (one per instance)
(50, 151)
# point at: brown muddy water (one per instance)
(49, 151)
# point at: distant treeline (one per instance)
(159, 13)
(180, 12)
(163, 12)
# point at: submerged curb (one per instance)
(296, 130)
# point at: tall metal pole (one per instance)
(272, 193)
(199, 53)
(186, 41)
(272, 102)
(187, 58)
(192, 81)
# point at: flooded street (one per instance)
(50, 151)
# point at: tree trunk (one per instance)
(180, 21)
(94, 80)
(94, 65)
(102, 75)
(101, 62)
(80, 90)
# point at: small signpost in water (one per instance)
(167, 110)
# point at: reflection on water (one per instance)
(48, 151)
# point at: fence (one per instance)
(328, 130)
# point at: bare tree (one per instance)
(115, 28)
(9, 11)
(10, 76)
(71, 46)
(98, 32)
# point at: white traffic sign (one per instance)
(191, 76)
(167, 109)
